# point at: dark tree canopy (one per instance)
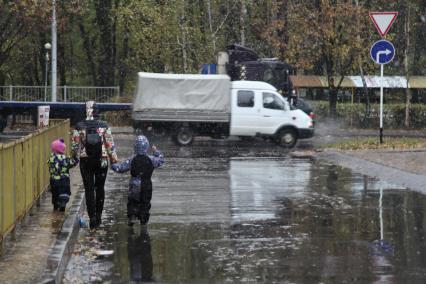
(106, 42)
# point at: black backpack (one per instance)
(93, 141)
(142, 166)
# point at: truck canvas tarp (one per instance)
(187, 97)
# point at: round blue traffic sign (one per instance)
(382, 52)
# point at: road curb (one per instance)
(122, 130)
(61, 251)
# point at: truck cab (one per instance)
(257, 109)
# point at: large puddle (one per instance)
(259, 220)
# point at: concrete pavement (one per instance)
(405, 168)
(38, 244)
(402, 168)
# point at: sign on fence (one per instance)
(43, 116)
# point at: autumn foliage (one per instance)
(105, 42)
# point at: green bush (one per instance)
(121, 117)
(118, 118)
(354, 115)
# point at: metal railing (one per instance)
(24, 174)
(64, 93)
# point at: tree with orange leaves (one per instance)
(329, 35)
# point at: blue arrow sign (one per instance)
(382, 52)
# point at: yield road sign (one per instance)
(382, 52)
(383, 21)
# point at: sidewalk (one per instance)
(26, 252)
(38, 250)
(328, 132)
(122, 130)
(402, 168)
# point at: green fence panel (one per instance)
(7, 202)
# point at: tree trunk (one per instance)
(61, 61)
(419, 41)
(406, 65)
(184, 39)
(89, 53)
(42, 55)
(202, 22)
(366, 120)
(104, 22)
(212, 34)
(123, 66)
(332, 99)
(243, 16)
(35, 69)
(114, 39)
(332, 90)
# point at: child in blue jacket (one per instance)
(141, 167)
(59, 167)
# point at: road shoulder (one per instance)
(390, 166)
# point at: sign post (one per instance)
(381, 105)
(382, 52)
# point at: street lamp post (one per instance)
(53, 51)
(47, 47)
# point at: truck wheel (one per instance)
(286, 138)
(136, 128)
(245, 138)
(184, 136)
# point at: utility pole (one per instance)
(54, 99)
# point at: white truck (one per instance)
(187, 105)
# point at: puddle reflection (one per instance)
(258, 186)
(139, 253)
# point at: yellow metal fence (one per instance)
(24, 174)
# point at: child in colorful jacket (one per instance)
(59, 166)
(141, 166)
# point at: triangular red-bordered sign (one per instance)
(383, 21)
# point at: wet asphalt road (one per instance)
(244, 212)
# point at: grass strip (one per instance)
(372, 143)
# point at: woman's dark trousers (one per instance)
(94, 177)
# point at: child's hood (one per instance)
(141, 145)
(58, 146)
